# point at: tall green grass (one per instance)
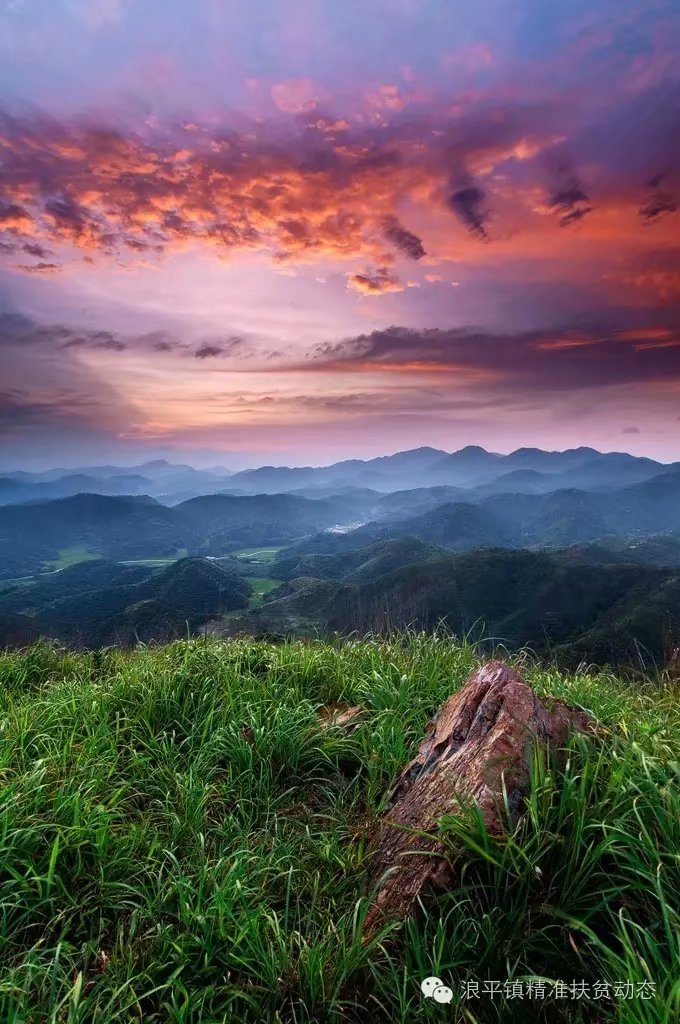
(181, 841)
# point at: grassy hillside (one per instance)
(182, 841)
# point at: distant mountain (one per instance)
(471, 471)
(385, 473)
(469, 468)
(19, 491)
(159, 479)
(404, 504)
(156, 469)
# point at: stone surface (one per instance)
(480, 741)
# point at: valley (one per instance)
(590, 573)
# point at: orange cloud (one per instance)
(568, 341)
(300, 196)
(375, 282)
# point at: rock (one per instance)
(480, 740)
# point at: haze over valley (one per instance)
(575, 553)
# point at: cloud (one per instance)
(469, 206)
(406, 241)
(21, 333)
(39, 268)
(661, 200)
(293, 190)
(375, 282)
(208, 352)
(233, 346)
(630, 430)
(536, 361)
(295, 96)
(48, 390)
(568, 198)
(313, 177)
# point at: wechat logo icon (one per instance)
(434, 988)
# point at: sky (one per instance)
(294, 231)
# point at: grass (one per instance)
(71, 556)
(180, 841)
(261, 585)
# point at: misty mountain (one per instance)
(470, 474)
(556, 519)
(385, 473)
(160, 479)
(469, 468)
(20, 491)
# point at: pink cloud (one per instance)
(296, 95)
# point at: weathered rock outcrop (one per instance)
(478, 747)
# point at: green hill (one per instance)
(34, 536)
(183, 841)
(357, 565)
(557, 604)
(109, 527)
(99, 603)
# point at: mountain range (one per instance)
(574, 551)
(471, 467)
(527, 470)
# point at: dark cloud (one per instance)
(69, 218)
(112, 345)
(39, 268)
(208, 352)
(469, 206)
(22, 332)
(404, 240)
(568, 197)
(630, 430)
(233, 346)
(661, 200)
(544, 361)
(38, 251)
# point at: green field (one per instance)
(154, 563)
(258, 554)
(182, 841)
(71, 556)
(261, 585)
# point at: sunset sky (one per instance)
(295, 231)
